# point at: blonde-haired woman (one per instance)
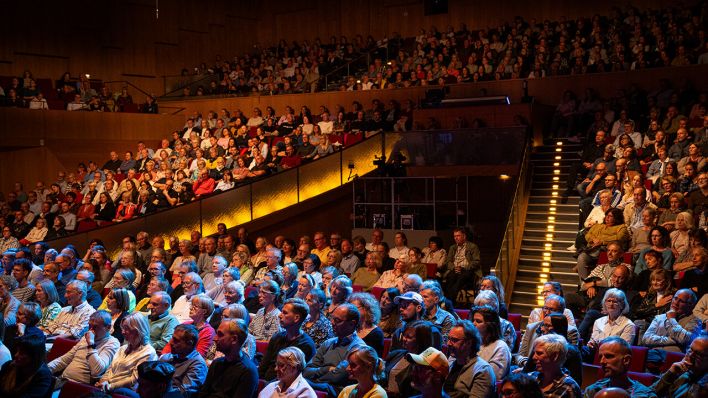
(365, 367)
(123, 372)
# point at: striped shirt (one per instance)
(72, 321)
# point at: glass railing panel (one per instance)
(274, 193)
(231, 207)
(179, 221)
(362, 156)
(320, 176)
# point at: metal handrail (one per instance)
(348, 64)
(130, 84)
(201, 80)
(508, 258)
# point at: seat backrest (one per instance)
(261, 346)
(60, 347)
(387, 347)
(377, 292)
(72, 389)
(431, 269)
(645, 378)
(515, 320)
(321, 394)
(462, 313)
(357, 288)
(639, 358)
(671, 358)
(261, 384)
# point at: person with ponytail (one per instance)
(364, 366)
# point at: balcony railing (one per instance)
(249, 202)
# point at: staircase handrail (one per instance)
(508, 259)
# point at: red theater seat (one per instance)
(60, 347)
(515, 320)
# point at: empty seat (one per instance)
(515, 320)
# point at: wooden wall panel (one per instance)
(28, 166)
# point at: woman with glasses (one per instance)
(266, 322)
(122, 279)
(311, 266)
(201, 309)
(289, 365)
(615, 323)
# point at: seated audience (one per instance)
(365, 367)
(72, 320)
(123, 371)
(317, 325)
(292, 316)
(489, 298)
(493, 349)
(686, 378)
(234, 366)
(417, 336)
(615, 323)
(27, 375)
(432, 295)
(200, 310)
(290, 362)
(266, 321)
(549, 353)
(92, 355)
(470, 374)
(369, 316)
(162, 322)
(615, 355)
(549, 288)
(190, 369)
(672, 330)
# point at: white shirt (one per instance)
(299, 389)
(396, 252)
(621, 327)
(180, 309)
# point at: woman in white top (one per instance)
(123, 372)
(493, 350)
(289, 365)
(615, 323)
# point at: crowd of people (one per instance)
(71, 94)
(626, 40)
(208, 155)
(225, 315)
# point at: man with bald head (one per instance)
(612, 392)
(615, 356)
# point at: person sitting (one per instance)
(292, 316)
(317, 324)
(190, 369)
(430, 370)
(550, 287)
(48, 299)
(290, 362)
(72, 320)
(493, 350)
(686, 378)
(327, 370)
(8, 303)
(470, 375)
(432, 295)
(199, 312)
(339, 289)
(549, 354)
(192, 285)
(615, 323)
(27, 375)
(162, 322)
(234, 366)
(411, 309)
(92, 355)
(655, 301)
(266, 321)
(520, 385)
(552, 304)
(367, 276)
(122, 372)
(615, 355)
(118, 306)
(365, 367)
(92, 296)
(489, 298)
(28, 316)
(370, 314)
(417, 336)
(556, 323)
(235, 311)
(598, 237)
(462, 265)
(672, 330)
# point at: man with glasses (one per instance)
(72, 321)
(600, 275)
(688, 377)
(552, 304)
(273, 257)
(672, 330)
(470, 375)
(328, 369)
(192, 284)
(321, 248)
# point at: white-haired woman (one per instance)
(288, 367)
(615, 323)
(549, 353)
(123, 372)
